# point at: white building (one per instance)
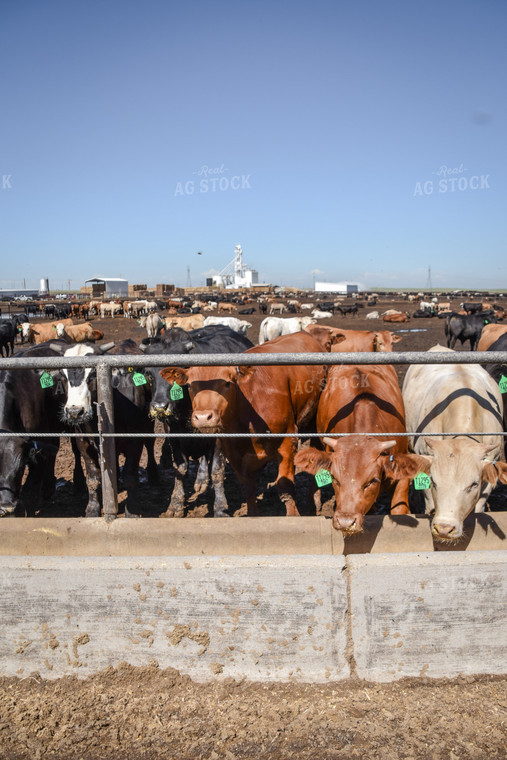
(344, 288)
(113, 287)
(236, 274)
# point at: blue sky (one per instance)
(364, 141)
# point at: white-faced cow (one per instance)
(458, 399)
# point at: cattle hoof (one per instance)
(173, 513)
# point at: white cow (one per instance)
(307, 306)
(455, 398)
(373, 315)
(110, 308)
(273, 327)
(317, 314)
(238, 325)
(153, 324)
(276, 308)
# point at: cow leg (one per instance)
(90, 454)
(176, 506)
(130, 476)
(79, 480)
(151, 467)
(217, 477)
(399, 500)
(202, 479)
(249, 489)
(285, 480)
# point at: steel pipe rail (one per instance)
(254, 360)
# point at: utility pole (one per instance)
(189, 281)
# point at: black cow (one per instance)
(8, 330)
(426, 313)
(172, 405)
(471, 308)
(250, 310)
(28, 407)
(466, 327)
(130, 416)
(263, 307)
(327, 306)
(344, 310)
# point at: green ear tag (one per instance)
(422, 481)
(138, 378)
(502, 384)
(46, 381)
(323, 478)
(176, 392)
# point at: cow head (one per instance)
(358, 465)
(15, 455)
(212, 392)
(384, 339)
(463, 472)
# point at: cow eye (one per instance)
(370, 483)
(472, 486)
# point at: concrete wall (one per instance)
(314, 615)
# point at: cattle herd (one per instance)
(454, 413)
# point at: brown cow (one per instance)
(354, 340)
(192, 322)
(490, 333)
(257, 400)
(83, 333)
(42, 331)
(362, 399)
(226, 307)
(400, 316)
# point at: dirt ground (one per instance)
(148, 714)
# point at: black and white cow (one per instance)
(130, 415)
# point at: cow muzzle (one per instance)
(348, 522)
(207, 421)
(159, 412)
(75, 414)
(446, 531)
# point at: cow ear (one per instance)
(406, 465)
(494, 471)
(396, 338)
(174, 375)
(432, 443)
(335, 338)
(312, 460)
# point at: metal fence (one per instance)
(104, 364)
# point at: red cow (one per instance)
(257, 400)
(400, 316)
(362, 399)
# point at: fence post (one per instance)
(107, 450)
